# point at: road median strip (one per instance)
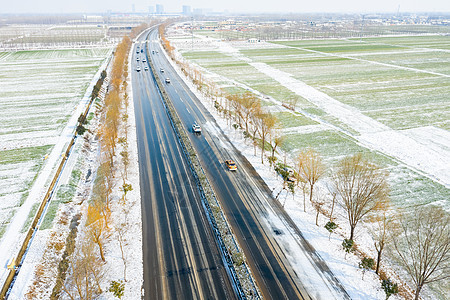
(232, 255)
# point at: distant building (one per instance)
(159, 9)
(133, 8)
(186, 10)
(151, 9)
(93, 19)
(198, 11)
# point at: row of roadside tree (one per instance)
(418, 240)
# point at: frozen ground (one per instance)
(424, 149)
(373, 134)
(39, 92)
(344, 268)
(369, 132)
(42, 253)
(361, 107)
(47, 106)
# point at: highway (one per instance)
(181, 259)
(246, 200)
(237, 193)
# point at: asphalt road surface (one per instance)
(244, 196)
(274, 276)
(181, 258)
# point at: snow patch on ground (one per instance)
(431, 136)
(415, 145)
(345, 268)
(131, 214)
(12, 238)
(373, 134)
(306, 129)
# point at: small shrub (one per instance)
(117, 288)
(238, 258)
(347, 244)
(272, 159)
(330, 226)
(389, 287)
(81, 129)
(366, 264)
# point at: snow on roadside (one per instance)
(12, 238)
(344, 267)
(37, 192)
(130, 214)
(372, 134)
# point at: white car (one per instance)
(144, 60)
(161, 70)
(146, 68)
(138, 69)
(167, 80)
(196, 128)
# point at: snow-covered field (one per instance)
(377, 96)
(51, 36)
(37, 277)
(39, 92)
(42, 94)
(390, 102)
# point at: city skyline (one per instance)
(232, 6)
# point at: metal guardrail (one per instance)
(217, 219)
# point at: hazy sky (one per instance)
(293, 6)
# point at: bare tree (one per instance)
(361, 186)
(85, 275)
(265, 124)
(104, 185)
(275, 139)
(235, 100)
(317, 203)
(254, 121)
(333, 194)
(250, 104)
(310, 168)
(97, 228)
(303, 184)
(382, 229)
(126, 162)
(422, 246)
(121, 229)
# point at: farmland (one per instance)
(401, 84)
(39, 92)
(45, 36)
(385, 97)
